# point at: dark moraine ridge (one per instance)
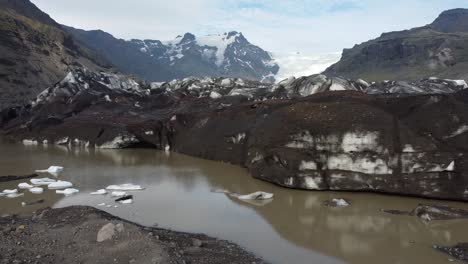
(342, 140)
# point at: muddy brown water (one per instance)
(293, 228)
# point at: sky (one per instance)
(299, 33)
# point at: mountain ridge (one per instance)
(219, 55)
(439, 49)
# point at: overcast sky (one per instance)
(311, 27)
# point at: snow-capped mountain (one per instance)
(227, 55)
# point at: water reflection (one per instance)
(293, 228)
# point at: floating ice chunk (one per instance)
(118, 194)
(54, 170)
(167, 148)
(14, 195)
(102, 204)
(124, 187)
(25, 185)
(10, 191)
(99, 192)
(36, 190)
(67, 192)
(340, 202)
(256, 196)
(42, 181)
(128, 201)
(60, 185)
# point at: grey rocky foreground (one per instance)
(342, 137)
(87, 235)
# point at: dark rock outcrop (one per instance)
(334, 140)
(34, 52)
(439, 49)
(459, 251)
(433, 212)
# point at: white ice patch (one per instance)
(215, 95)
(119, 142)
(219, 42)
(451, 166)
(226, 82)
(308, 165)
(25, 186)
(42, 181)
(67, 192)
(118, 194)
(99, 192)
(10, 191)
(459, 131)
(256, 196)
(107, 98)
(36, 190)
(360, 141)
(70, 78)
(14, 195)
(301, 141)
(62, 141)
(238, 138)
(340, 202)
(127, 201)
(337, 87)
(345, 162)
(59, 185)
(408, 149)
(30, 142)
(125, 187)
(311, 183)
(54, 170)
(149, 133)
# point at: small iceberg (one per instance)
(256, 196)
(14, 195)
(118, 194)
(36, 190)
(60, 185)
(25, 186)
(54, 170)
(42, 181)
(337, 202)
(67, 192)
(127, 199)
(125, 187)
(99, 192)
(10, 191)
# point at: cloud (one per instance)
(298, 64)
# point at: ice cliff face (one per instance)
(314, 133)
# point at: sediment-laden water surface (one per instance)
(294, 227)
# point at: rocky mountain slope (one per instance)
(34, 52)
(228, 55)
(340, 138)
(439, 49)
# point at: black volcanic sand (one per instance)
(69, 235)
